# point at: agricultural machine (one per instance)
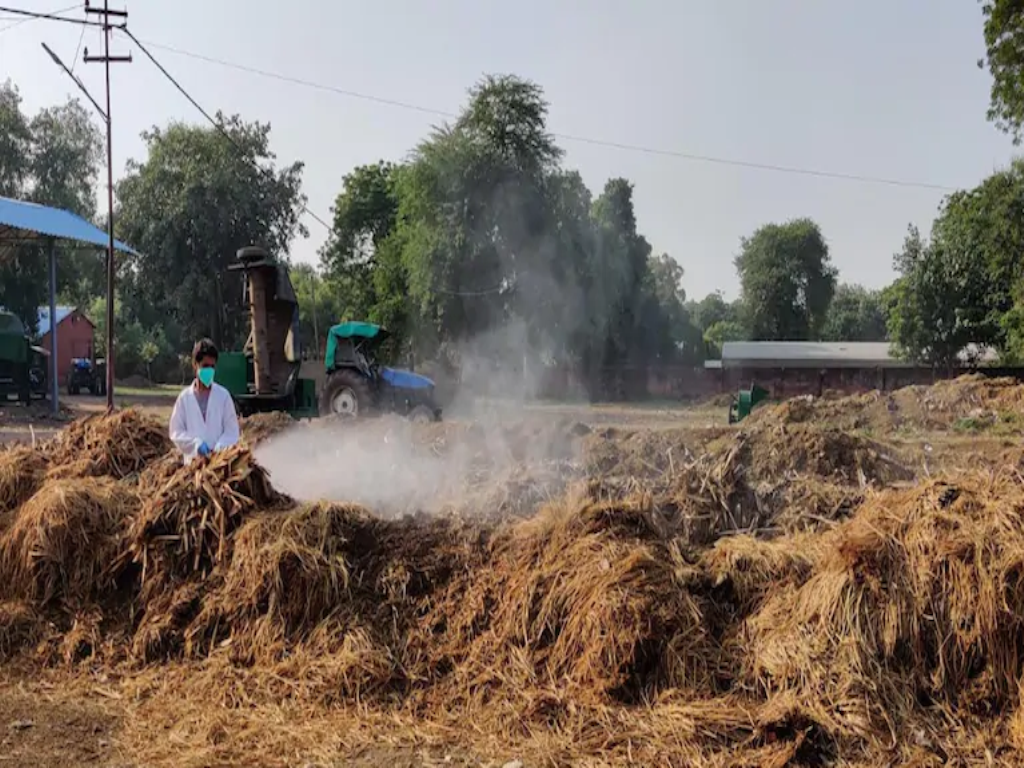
(88, 375)
(16, 359)
(745, 402)
(265, 375)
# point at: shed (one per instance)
(810, 354)
(75, 334)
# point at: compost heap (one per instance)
(672, 606)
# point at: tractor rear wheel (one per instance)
(345, 394)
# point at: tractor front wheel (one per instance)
(345, 394)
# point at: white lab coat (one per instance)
(189, 429)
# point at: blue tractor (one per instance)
(357, 385)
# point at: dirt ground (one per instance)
(19, 424)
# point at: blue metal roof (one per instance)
(44, 319)
(20, 220)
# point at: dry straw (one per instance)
(780, 595)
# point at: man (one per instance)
(204, 418)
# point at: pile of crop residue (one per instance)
(767, 476)
(971, 403)
(263, 426)
(613, 625)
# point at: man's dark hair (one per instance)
(204, 348)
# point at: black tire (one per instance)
(72, 390)
(422, 414)
(339, 382)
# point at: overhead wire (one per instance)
(691, 156)
(679, 154)
(771, 167)
(78, 49)
(25, 16)
(213, 121)
(216, 123)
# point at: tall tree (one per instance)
(931, 302)
(65, 163)
(15, 142)
(475, 212)
(365, 215)
(52, 159)
(787, 280)
(1004, 56)
(187, 208)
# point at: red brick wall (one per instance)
(74, 339)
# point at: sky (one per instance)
(876, 88)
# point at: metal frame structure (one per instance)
(28, 224)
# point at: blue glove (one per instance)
(204, 449)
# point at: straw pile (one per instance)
(22, 470)
(20, 626)
(263, 426)
(186, 527)
(916, 599)
(972, 402)
(64, 540)
(289, 571)
(115, 445)
(588, 601)
(705, 613)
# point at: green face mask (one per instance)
(206, 376)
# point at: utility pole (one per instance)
(107, 59)
(316, 328)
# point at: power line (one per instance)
(52, 16)
(214, 122)
(23, 19)
(78, 49)
(231, 139)
(690, 156)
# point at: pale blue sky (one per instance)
(884, 88)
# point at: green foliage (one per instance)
(138, 351)
(855, 314)
(787, 279)
(965, 289)
(483, 245)
(1004, 56)
(187, 208)
(931, 303)
(53, 159)
(723, 331)
(365, 214)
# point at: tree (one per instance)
(15, 142)
(930, 303)
(483, 246)
(52, 159)
(365, 214)
(855, 314)
(187, 208)
(1004, 56)
(64, 166)
(787, 280)
(723, 331)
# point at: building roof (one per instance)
(810, 354)
(43, 323)
(856, 353)
(817, 354)
(23, 222)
